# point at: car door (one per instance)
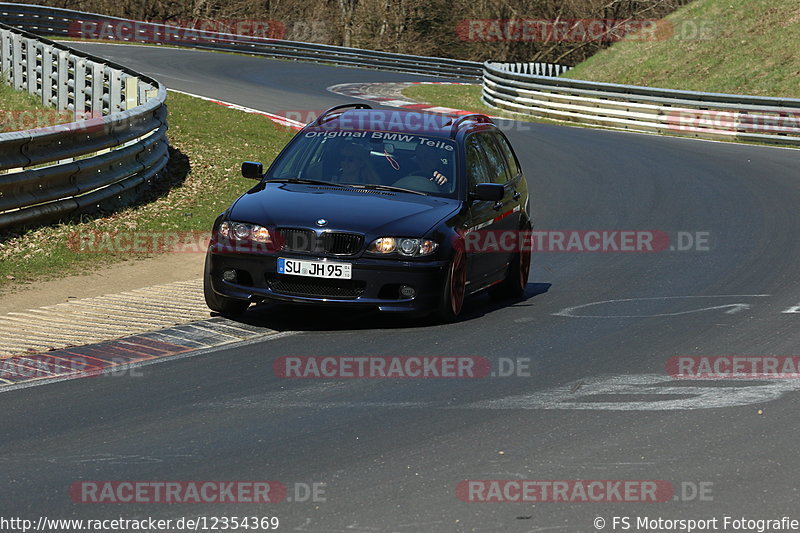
(486, 259)
(516, 184)
(506, 221)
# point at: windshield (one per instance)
(371, 158)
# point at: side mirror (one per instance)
(488, 192)
(252, 170)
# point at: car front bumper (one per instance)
(375, 282)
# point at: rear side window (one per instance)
(508, 154)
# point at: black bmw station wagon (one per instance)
(375, 208)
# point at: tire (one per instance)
(454, 291)
(513, 286)
(221, 304)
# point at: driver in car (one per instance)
(356, 167)
(430, 164)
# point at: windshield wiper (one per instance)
(305, 181)
(388, 188)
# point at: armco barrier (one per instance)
(63, 23)
(48, 173)
(704, 115)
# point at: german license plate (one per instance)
(315, 269)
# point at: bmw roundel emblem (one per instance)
(321, 222)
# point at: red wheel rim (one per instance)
(458, 283)
(524, 268)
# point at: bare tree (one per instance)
(422, 27)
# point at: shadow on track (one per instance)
(289, 317)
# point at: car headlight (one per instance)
(404, 246)
(244, 232)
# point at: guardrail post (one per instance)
(47, 76)
(80, 87)
(62, 81)
(5, 52)
(98, 83)
(30, 66)
(144, 93)
(115, 103)
(131, 92)
(16, 62)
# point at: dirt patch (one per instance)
(116, 278)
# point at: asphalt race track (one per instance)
(597, 403)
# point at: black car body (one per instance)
(374, 227)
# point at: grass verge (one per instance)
(21, 110)
(11, 99)
(208, 143)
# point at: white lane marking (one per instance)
(592, 393)
(735, 308)
(732, 308)
(440, 109)
(637, 392)
(278, 119)
(392, 103)
(795, 309)
(102, 458)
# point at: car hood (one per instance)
(370, 212)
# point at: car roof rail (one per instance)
(330, 111)
(476, 117)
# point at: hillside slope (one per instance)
(729, 46)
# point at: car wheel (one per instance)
(513, 286)
(221, 304)
(454, 291)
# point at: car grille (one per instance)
(297, 240)
(347, 289)
(329, 242)
(341, 243)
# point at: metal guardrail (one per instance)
(703, 115)
(48, 173)
(536, 69)
(65, 23)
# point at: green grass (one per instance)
(15, 104)
(208, 142)
(745, 47)
(466, 97)
(12, 99)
